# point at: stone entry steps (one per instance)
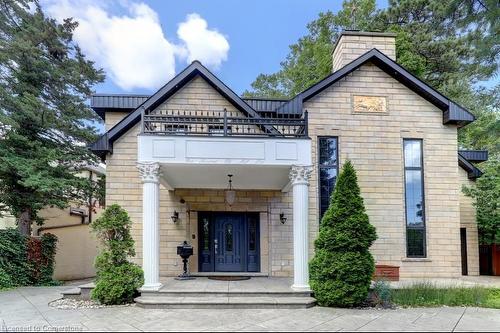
(201, 293)
(81, 292)
(222, 302)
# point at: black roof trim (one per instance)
(472, 171)
(453, 113)
(474, 156)
(102, 103)
(170, 88)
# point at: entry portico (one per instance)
(183, 161)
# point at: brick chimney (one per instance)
(352, 44)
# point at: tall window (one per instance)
(414, 198)
(328, 169)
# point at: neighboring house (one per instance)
(77, 245)
(168, 157)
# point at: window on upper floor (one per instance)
(328, 170)
(414, 198)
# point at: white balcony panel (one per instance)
(205, 162)
(224, 150)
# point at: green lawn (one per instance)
(427, 294)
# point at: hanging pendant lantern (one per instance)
(230, 193)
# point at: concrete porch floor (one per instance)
(253, 285)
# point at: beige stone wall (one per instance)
(468, 221)
(77, 248)
(123, 186)
(374, 143)
(350, 47)
(112, 118)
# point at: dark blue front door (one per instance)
(228, 242)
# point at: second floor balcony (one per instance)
(224, 123)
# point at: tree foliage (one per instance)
(486, 196)
(342, 267)
(45, 123)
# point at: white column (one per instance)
(299, 177)
(150, 175)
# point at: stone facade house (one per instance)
(169, 156)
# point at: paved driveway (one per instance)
(27, 308)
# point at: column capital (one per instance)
(300, 174)
(150, 171)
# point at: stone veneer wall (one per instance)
(468, 221)
(374, 143)
(350, 46)
(123, 186)
(112, 118)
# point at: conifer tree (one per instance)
(45, 122)
(342, 267)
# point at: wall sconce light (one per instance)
(282, 218)
(175, 217)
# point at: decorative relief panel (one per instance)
(374, 104)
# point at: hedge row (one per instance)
(26, 260)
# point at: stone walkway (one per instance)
(27, 309)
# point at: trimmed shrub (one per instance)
(117, 279)
(342, 267)
(118, 285)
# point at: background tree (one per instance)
(486, 196)
(342, 267)
(45, 123)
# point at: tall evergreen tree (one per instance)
(45, 123)
(342, 267)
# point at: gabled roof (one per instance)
(452, 112)
(105, 142)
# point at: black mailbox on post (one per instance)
(184, 251)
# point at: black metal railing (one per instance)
(223, 123)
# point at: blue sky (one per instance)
(243, 38)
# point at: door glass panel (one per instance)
(229, 237)
(206, 235)
(252, 235)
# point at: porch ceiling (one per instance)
(214, 176)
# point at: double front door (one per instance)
(228, 242)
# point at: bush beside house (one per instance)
(342, 268)
(26, 260)
(117, 278)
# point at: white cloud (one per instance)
(208, 46)
(132, 48)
